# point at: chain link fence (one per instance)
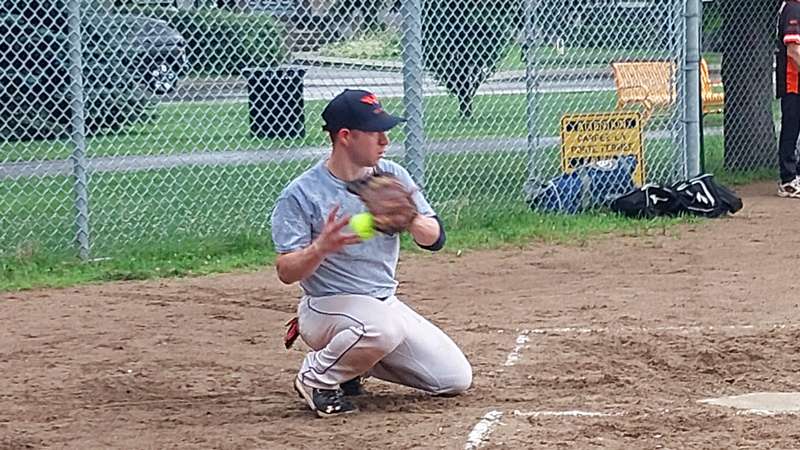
(739, 41)
(197, 113)
(595, 57)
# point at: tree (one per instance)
(749, 31)
(463, 40)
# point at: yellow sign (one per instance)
(589, 137)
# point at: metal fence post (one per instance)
(532, 90)
(78, 129)
(702, 143)
(692, 106)
(413, 73)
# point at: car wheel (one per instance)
(162, 79)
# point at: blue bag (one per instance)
(595, 184)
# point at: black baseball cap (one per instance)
(356, 109)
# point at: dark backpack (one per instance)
(700, 196)
(703, 196)
(651, 200)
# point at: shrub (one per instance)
(221, 42)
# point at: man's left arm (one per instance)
(426, 228)
(427, 232)
(793, 50)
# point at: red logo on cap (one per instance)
(370, 99)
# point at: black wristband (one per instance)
(439, 244)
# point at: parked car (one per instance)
(128, 60)
(159, 53)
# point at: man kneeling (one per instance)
(349, 314)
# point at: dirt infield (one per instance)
(608, 344)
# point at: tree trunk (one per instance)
(465, 106)
(749, 33)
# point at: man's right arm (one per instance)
(791, 32)
(300, 264)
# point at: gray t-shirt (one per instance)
(367, 268)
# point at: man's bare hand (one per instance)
(333, 237)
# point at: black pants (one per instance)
(790, 128)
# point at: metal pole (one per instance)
(702, 162)
(692, 102)
(413, 73)
(77, 129)
(532, 92)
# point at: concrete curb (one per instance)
(311, 59)
(397, 67)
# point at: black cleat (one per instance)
(325, 402)
(353, 388)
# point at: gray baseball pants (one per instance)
(355, 335)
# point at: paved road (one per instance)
(325, 77)
(238, 158)
(322, 83)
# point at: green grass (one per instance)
(572, 57)
(214, 127)
(210, 127)
(472, 229)
(133, 207)
(189, 257)
(713, 59)
(717, 120)
(178, 128)
(216, 219)
(715, 151)
(477, 217)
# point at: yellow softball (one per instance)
(363, 225)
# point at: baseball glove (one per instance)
(388, 199)
(292, 332)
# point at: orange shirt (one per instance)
(787, 76)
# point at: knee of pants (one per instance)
(385, 337)
(457, 382)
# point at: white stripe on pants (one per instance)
(354, 335)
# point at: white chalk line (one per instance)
(573, 413)
(578, 413)
(481, 431)
(521, 342)
(524, 337)
(766, 413)
(693, 329)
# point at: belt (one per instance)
(383, 299)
